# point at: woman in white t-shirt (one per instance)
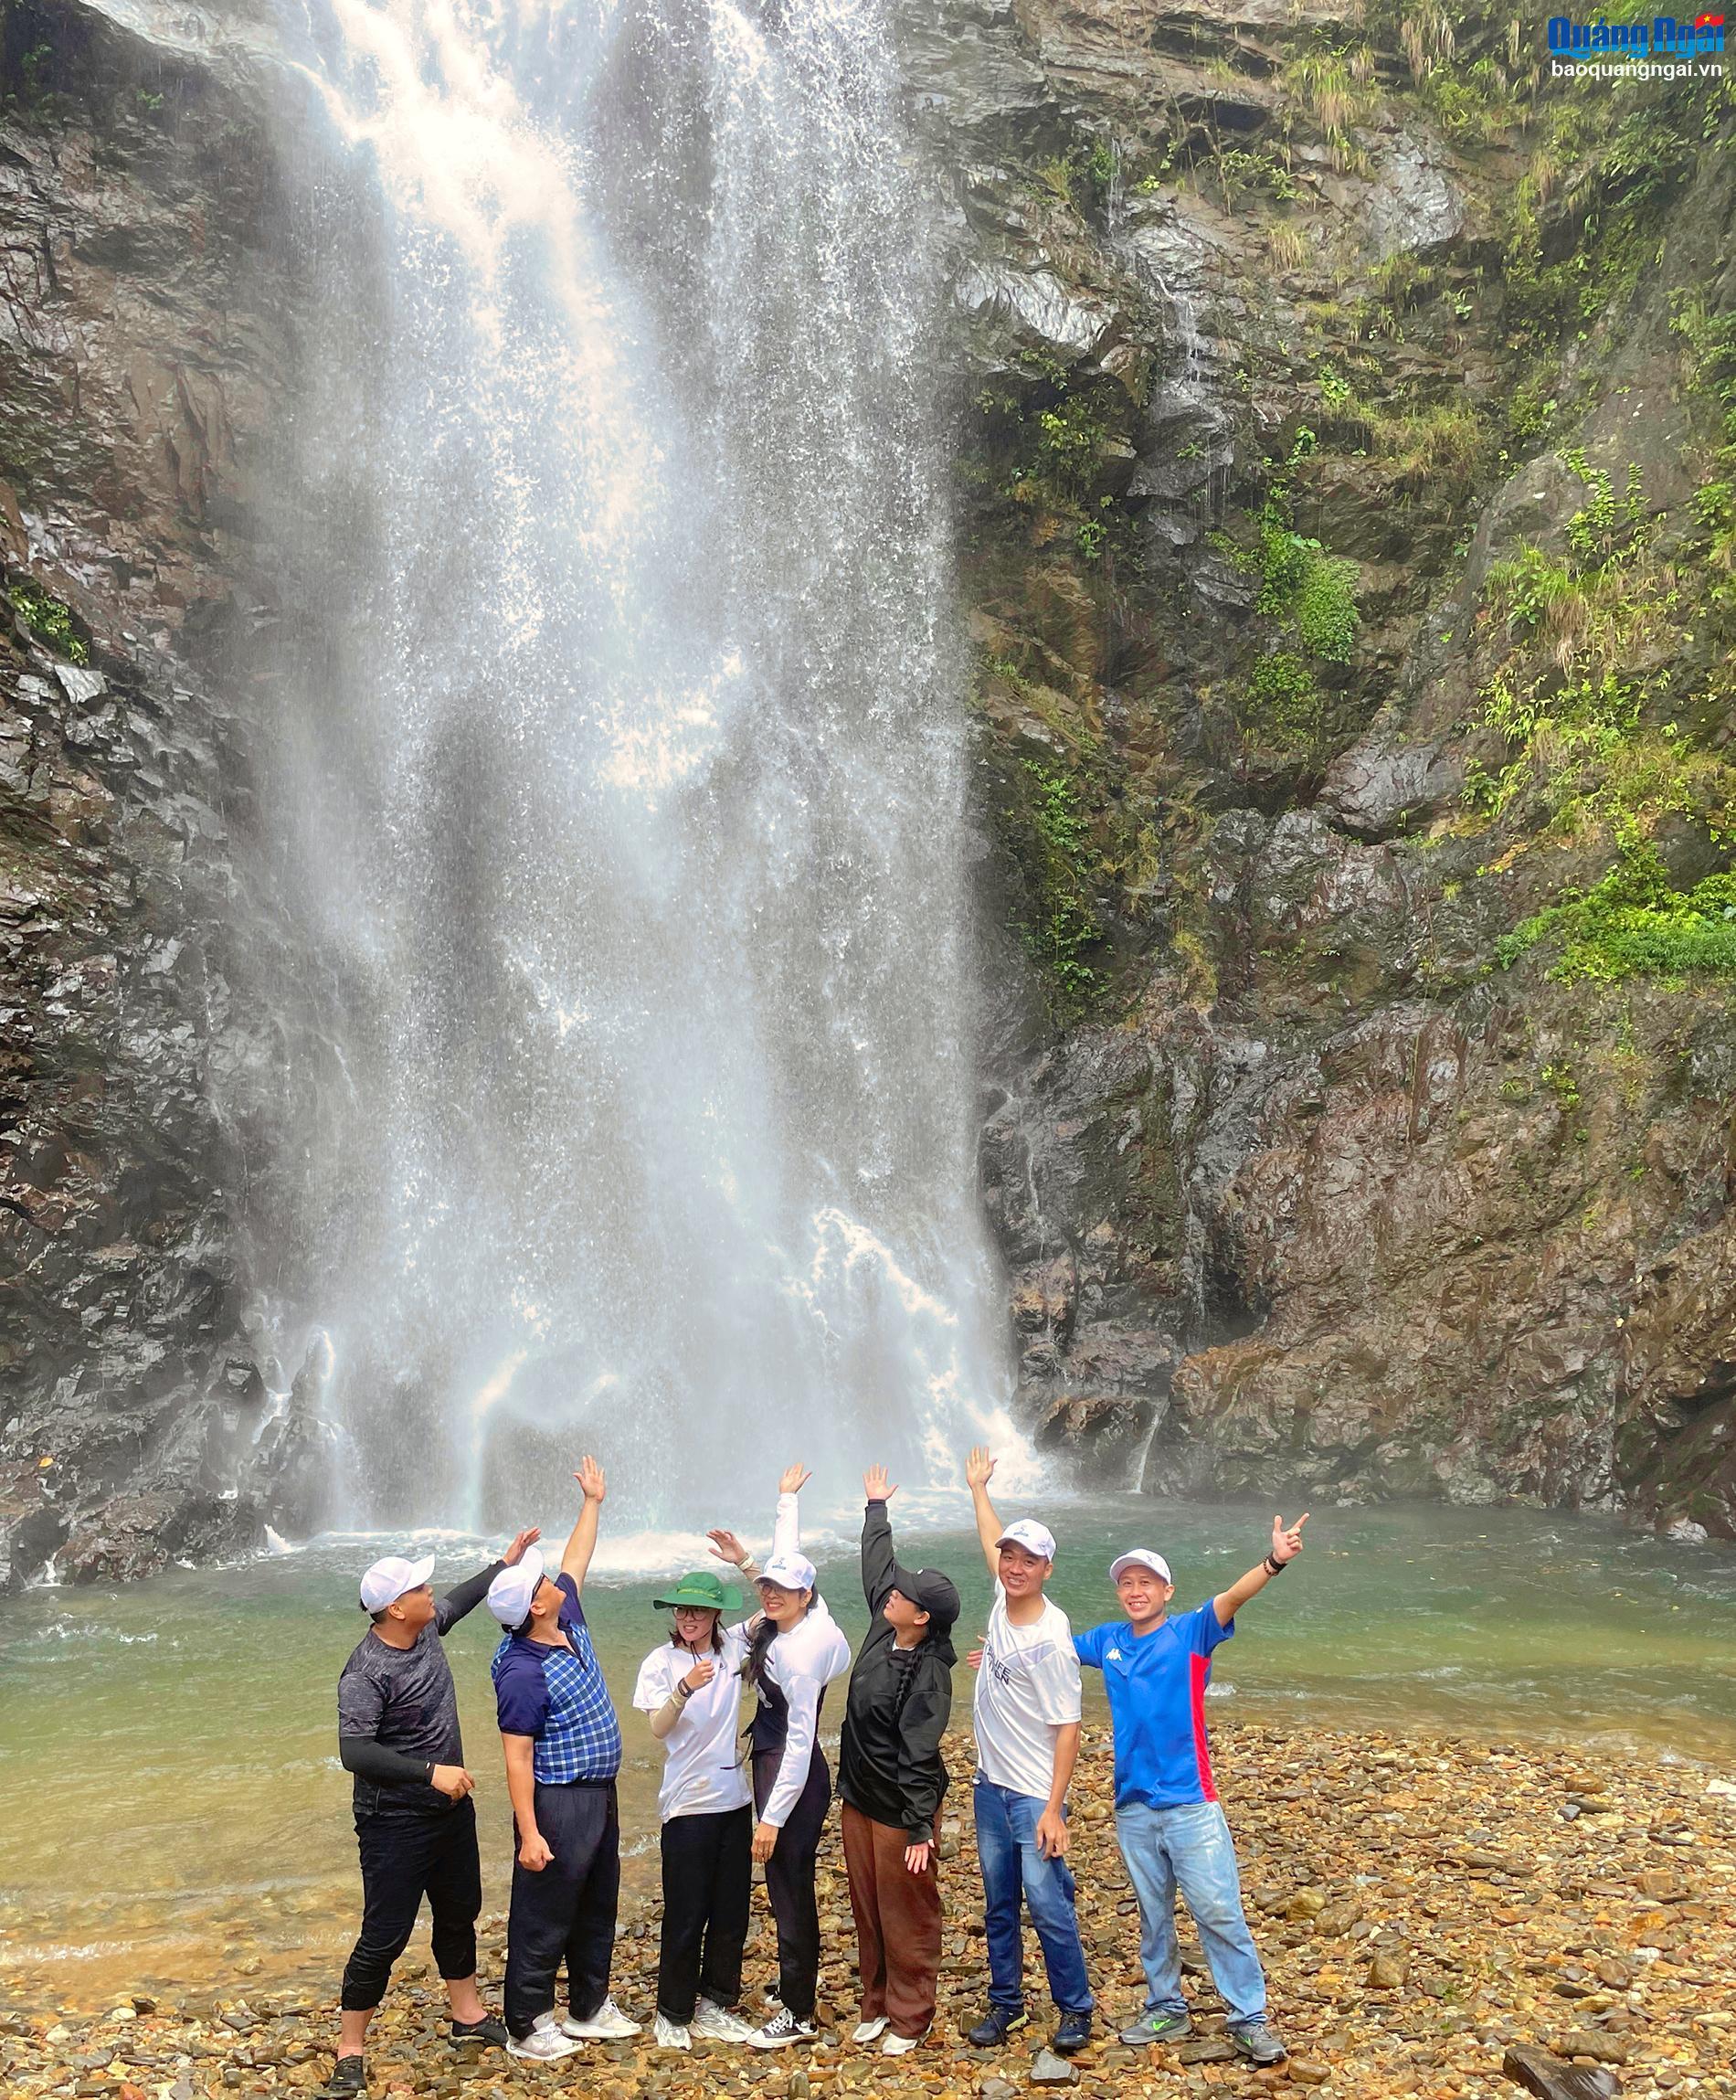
(691, 1686)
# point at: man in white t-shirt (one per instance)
(1026, 1716)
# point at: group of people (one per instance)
(724, 1809)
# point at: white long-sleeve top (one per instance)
(801, 1663)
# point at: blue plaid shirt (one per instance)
(558, 1698)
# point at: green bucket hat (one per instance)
(703, 1588)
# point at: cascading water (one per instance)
(627, 763)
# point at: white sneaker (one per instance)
(667, 2034)
(546, 2044)
(869, 2031)
(899, 2045)
(717, 2025)
(607, 2023)
(780, 2032)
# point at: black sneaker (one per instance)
(1157, 2026)
(1259, 2043)
(349, 2077)
(781, 2030)
(485, 2034)
(1072, 2034)
(991, 2032)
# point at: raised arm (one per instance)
(1286, 1543)
(878, 1559)
(979, 1472)
(576, 1560)
(786, 1530)
(464, 1597)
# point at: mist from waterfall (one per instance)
(622, 767)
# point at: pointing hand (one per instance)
(1286, 1540)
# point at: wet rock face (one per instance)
(139, 351)
(1293, 1182)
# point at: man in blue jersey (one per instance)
(1169, 1823)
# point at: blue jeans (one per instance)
(1190, 1848)
(1012, 1867)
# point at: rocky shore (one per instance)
(1435, 1915)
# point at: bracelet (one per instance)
(1274, 1566)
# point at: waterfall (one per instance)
(621, 768)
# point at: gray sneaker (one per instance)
(1259, 2041)
(1157, 2026)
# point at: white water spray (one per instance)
(627, 766)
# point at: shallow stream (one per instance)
(176, 1821)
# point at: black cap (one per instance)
(930, 1591)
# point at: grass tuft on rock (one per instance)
(1634, 924)
(49, 619)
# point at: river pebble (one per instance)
(1425, 1912)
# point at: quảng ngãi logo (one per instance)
(1667, 47)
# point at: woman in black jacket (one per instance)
(891, 1779)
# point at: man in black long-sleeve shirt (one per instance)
(892, 1777)
(397, 1735)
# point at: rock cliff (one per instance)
(1345, 525)
(143, 333)
(1347, 530)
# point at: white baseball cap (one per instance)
(788, 1571)
(391, 1578)
(510, 1593)
(1141, 1557)
(1034, 1537)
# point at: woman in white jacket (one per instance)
(796, 1651)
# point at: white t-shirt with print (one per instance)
(1027, 1687)
(702, 1776)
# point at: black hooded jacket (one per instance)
(889, 1764)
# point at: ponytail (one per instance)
(753, 1666)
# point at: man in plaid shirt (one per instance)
(563, 1747)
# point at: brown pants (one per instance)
(897, 1925)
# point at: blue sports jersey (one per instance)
(1157, 1703)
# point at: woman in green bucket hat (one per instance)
(690, 1688)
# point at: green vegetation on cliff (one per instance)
(1633, 923)
(50, 619)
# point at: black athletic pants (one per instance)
(708, 1883)
(403, 1859)
(566, 1912)
(789, 1879)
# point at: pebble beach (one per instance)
(1435, 1915)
